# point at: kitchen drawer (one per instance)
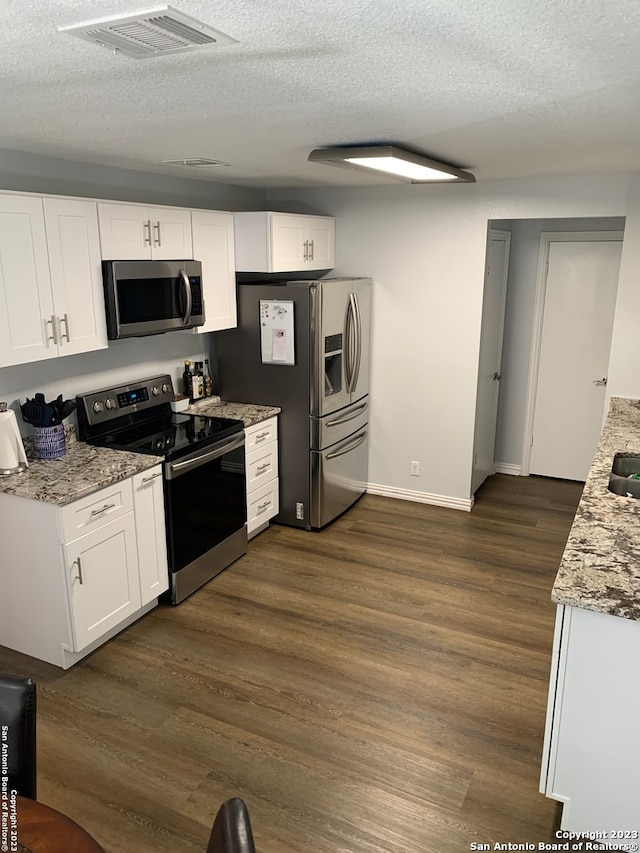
(260, 434)
(262, 465)
(96, 509)
(262, 504)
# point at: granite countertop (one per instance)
(245, 412)
(82, 470)
(600, 567)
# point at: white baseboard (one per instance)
(508, 468)
(465, 504)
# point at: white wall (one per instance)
(125, 360)
(425, 249)
(624, 363)
(516, 349)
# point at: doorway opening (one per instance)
(523, 315)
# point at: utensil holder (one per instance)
(49, 442)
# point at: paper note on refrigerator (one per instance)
(279, 345)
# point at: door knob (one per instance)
(497, 376)
(602, 381)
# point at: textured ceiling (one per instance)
(504, 88)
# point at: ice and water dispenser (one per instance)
(332, 364)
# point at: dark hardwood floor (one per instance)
(378, 686)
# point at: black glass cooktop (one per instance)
(171, 435)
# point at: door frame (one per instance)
(505, 237)
(546, 239)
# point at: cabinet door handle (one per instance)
(102, 509)
(147, 232)
(54, 335)
(156, 228)
(65, 320)
(79, 564)
(305, 250)
(152, 477)
(311, 250)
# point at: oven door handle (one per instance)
(173, 470)
(189, 296)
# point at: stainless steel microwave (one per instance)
(152, 297)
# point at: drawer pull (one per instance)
(79, 564)
(102, 509)
(262, 435)
(152, 477)
(262, 468)
(263, 507)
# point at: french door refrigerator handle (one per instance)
(358, 331)
(347, 348)
(187, 289)
(346, 418)
(357, 441)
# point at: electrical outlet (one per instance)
(415, 469)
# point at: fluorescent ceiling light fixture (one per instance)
(415, 168)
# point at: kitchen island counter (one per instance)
(82, 470)
(600, 567)
(248, 413)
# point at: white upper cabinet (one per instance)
(132, 232)
(76, 274)
(283, 242)
(50, 279)
(213, 246)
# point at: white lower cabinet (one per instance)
(102, 579)
(148, 501)
(591, 750)
(261, 459)
(76, 575)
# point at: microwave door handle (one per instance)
(189, 296)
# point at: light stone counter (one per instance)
(600, 567)
(245, 412)
(82, 470)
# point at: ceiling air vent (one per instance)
(153, 32)
(195, 161)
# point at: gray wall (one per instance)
(518, 330)
(35, 174)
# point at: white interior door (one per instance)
(493, 305)
(579, 304)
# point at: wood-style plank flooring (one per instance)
(378, 686)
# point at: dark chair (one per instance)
(231, 832)
(18, 732)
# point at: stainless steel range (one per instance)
(204, 473)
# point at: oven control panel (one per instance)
(103, 406)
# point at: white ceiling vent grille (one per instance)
(195, 161)
(152, 32)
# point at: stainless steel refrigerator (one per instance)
(304, 346)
